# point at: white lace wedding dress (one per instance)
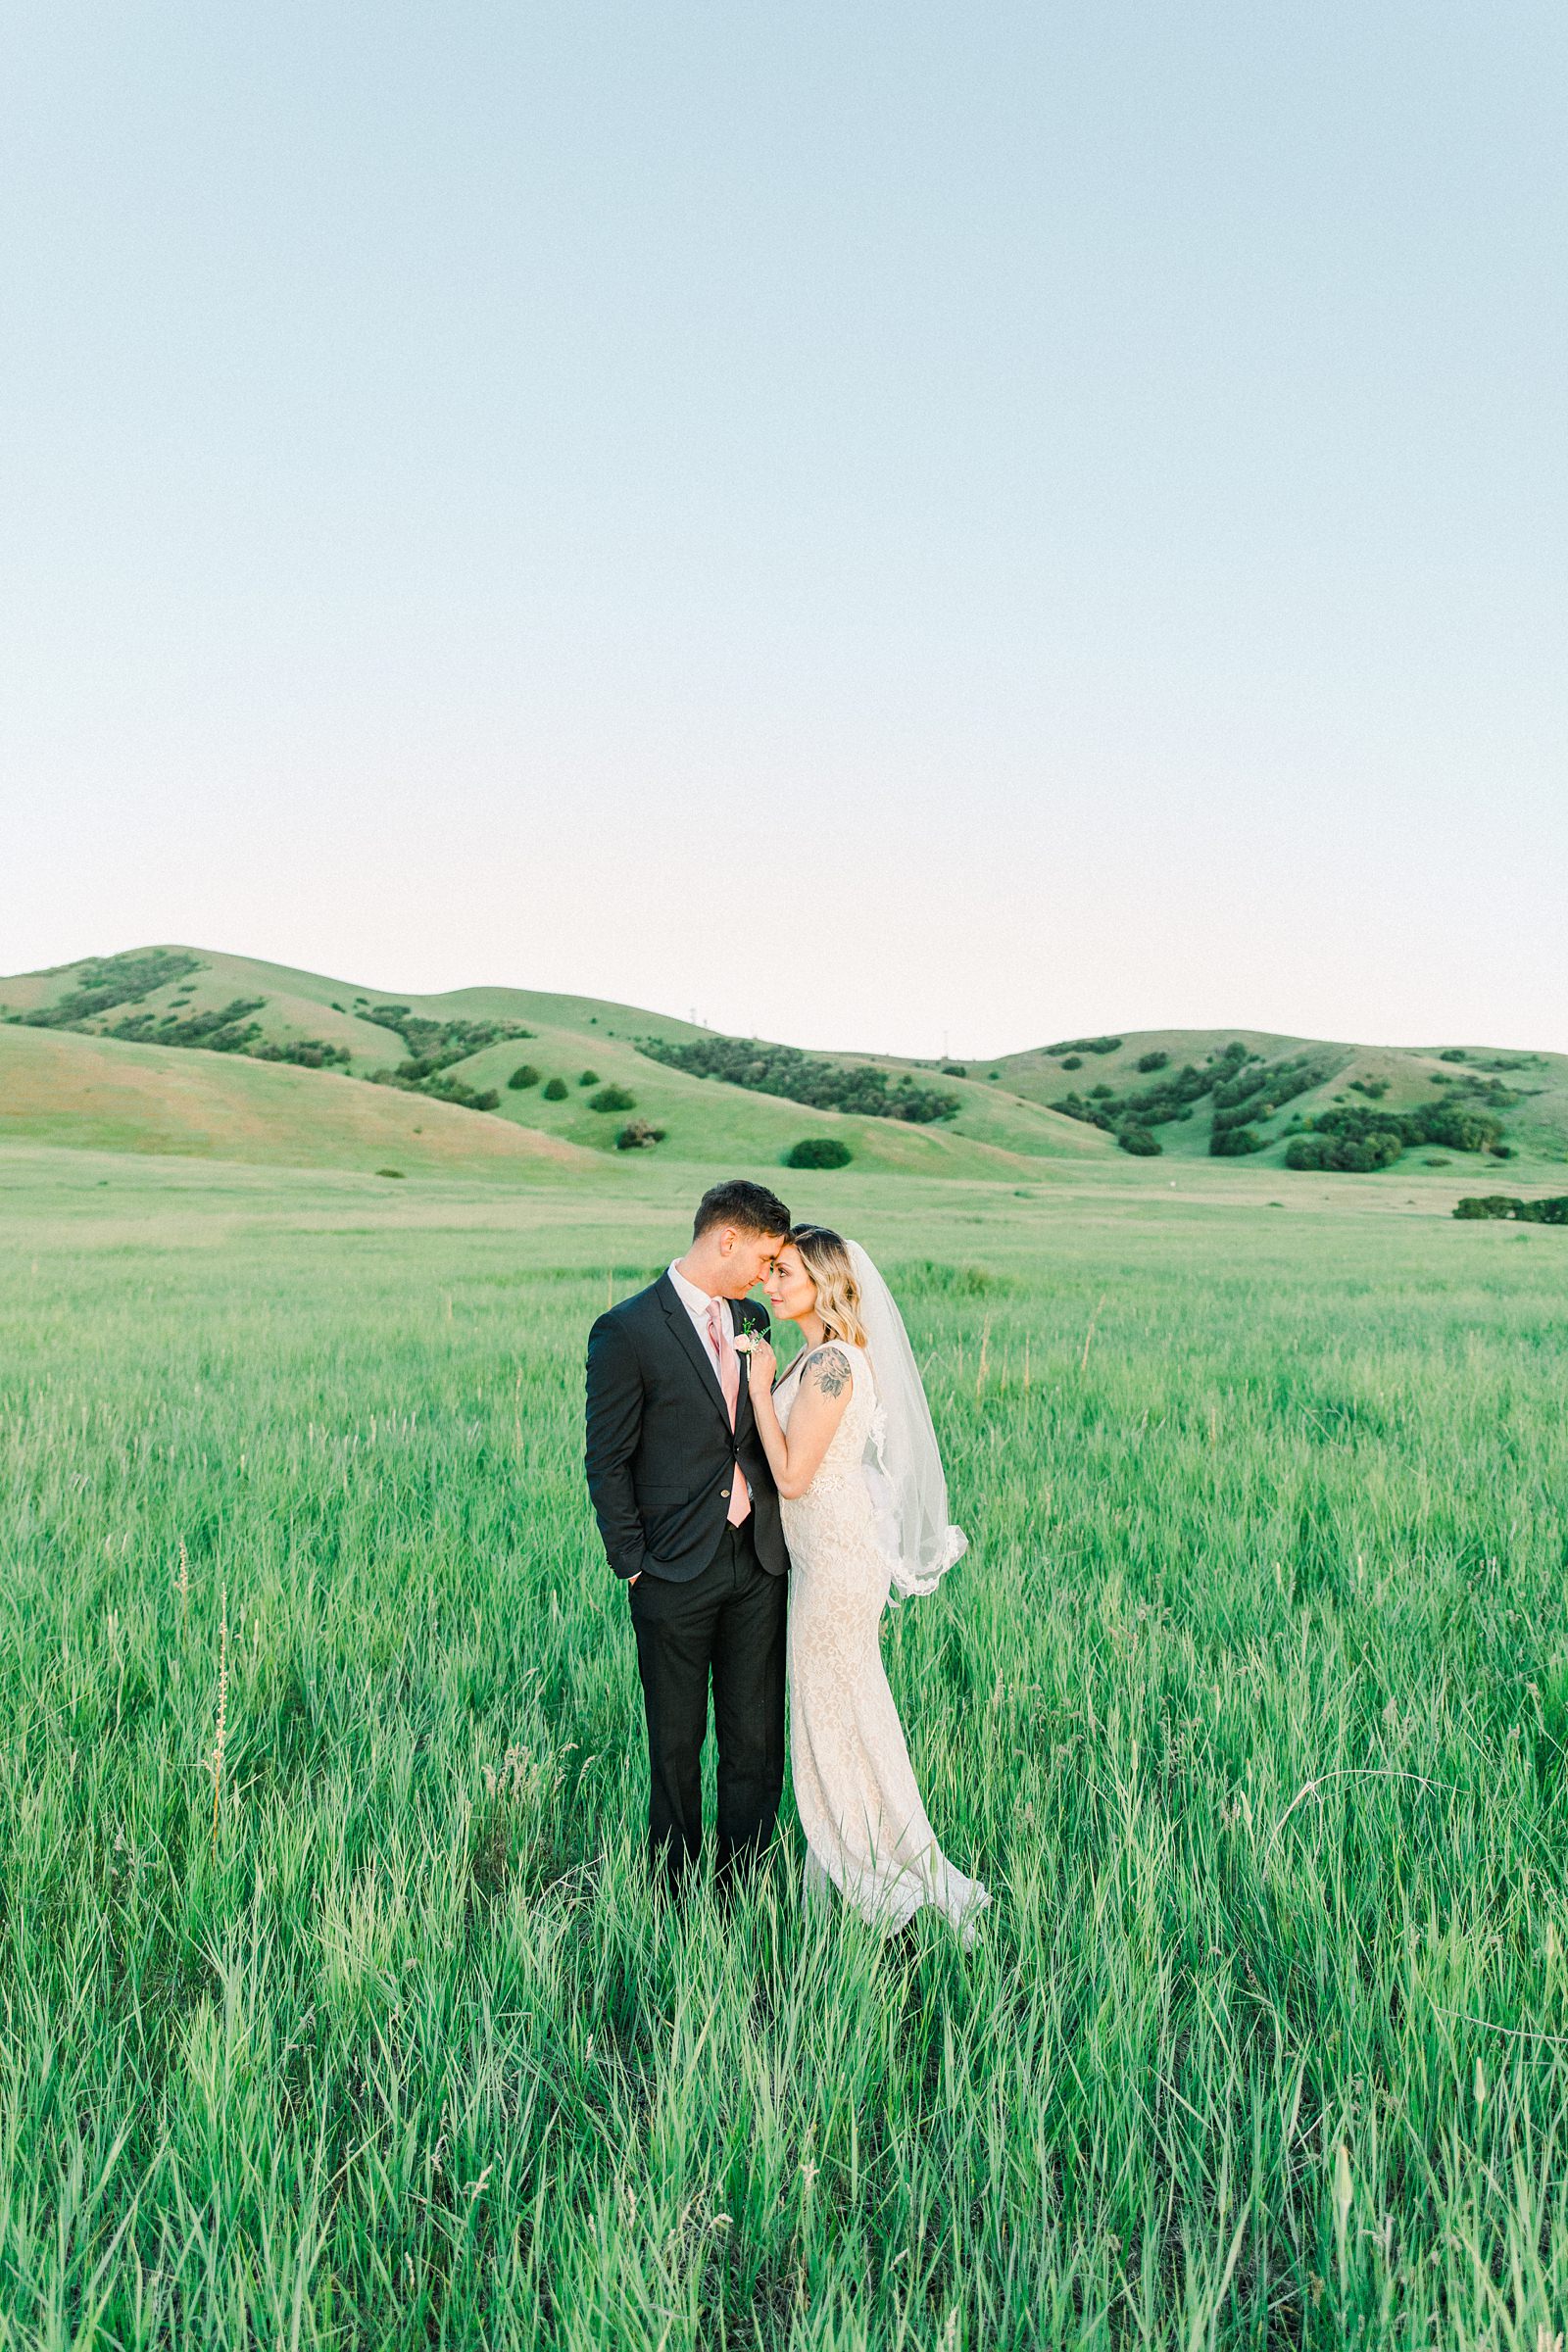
(866, 1827)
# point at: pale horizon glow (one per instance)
(888, 529)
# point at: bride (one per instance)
(848, 1438)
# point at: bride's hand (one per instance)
(761, 1365)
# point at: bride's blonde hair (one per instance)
(825, 1255)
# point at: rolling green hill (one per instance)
(57, 1087)
(1527, 1093)
(263, 1009)
(175, 1048)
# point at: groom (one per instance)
(689, 1515)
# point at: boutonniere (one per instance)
(746, 1341)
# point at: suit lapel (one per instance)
(744, 1416)
(685, 1331)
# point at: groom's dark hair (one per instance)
(749, 1208)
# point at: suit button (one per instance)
(724, 1492)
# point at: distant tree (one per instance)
(1140, 1143)
(554, 1090)
(613, 1098)
(1153, 1060)
(818, 1152)
(638, 1136)
(1072, 1061)
(589, 1078)
(522, 1077)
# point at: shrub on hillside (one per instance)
(1255, 1091)
(1550, 1211)
(105, 981)
(1075, 1106)
(1452, 1126)
(1140, 1143)
(1374, 1088)
(443, 1088)
(638, 1136)
(589, 1078)
(818, 1152)
(613, 1098)
(1492, 1091)
(227, 1029)
(1171, 1097)
(1084, 1045)
(434, 1046)
(804, 1077)
(1359, 1139)
(1358, 1155)
(554, 1090)
(522, 1077)
(306, 1053)
(954, 1069)
(1156, 1059)
(1072, 1061)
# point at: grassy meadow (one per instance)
(335, 2011)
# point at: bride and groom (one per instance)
(759, 1527)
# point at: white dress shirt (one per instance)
(697, 1304)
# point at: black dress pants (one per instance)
(725, 1624)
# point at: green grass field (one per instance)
(1249, 1704)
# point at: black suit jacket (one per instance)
(661, 1456)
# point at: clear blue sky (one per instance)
(901, 526)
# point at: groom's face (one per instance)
(747, 1259)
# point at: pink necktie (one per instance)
(730, 1380)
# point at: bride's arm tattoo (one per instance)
(830, 1371)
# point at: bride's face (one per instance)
(791, 1291)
